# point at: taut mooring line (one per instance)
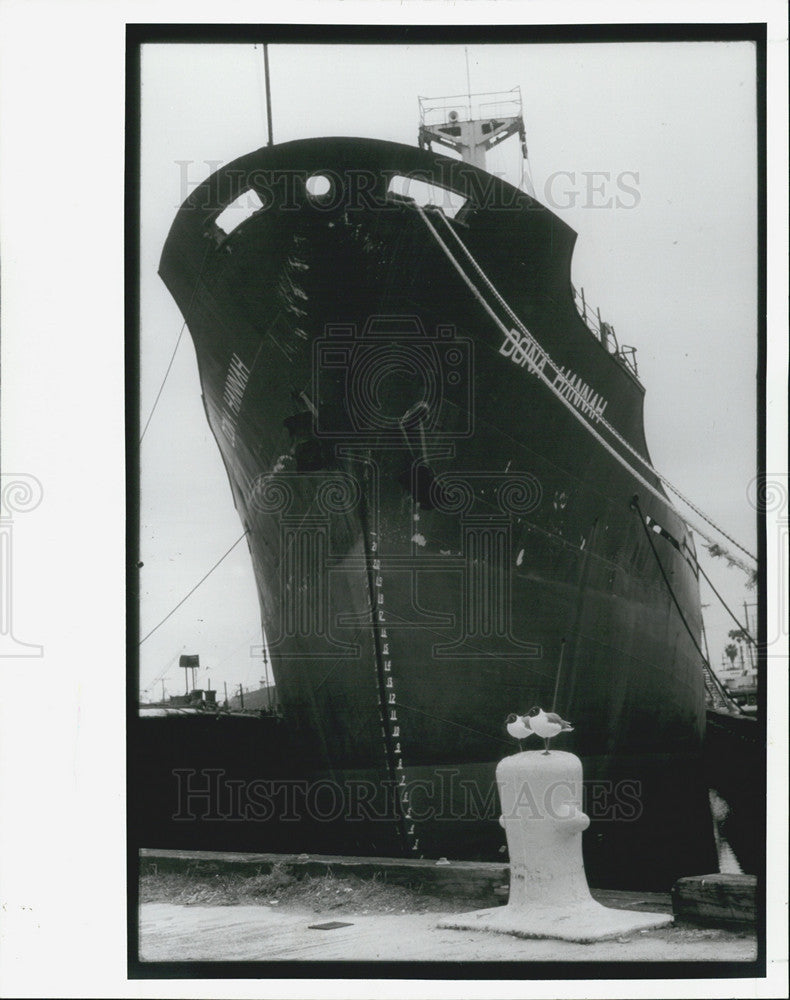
(557, 681)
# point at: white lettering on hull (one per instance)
(525, 352)
(236, 380)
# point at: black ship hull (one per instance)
(437, 540)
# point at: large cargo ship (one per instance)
(443, 476)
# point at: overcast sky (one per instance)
(675, 273)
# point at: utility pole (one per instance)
(270, 685)
(705, 634)
(749, 630)
(266, 679)
(468, 84)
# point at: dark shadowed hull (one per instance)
(436, 540)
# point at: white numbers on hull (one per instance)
(391, 738)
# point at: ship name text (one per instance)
(235, 383)
(526, 352)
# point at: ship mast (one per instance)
(472, 124)
(268, 94)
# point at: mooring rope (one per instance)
(705, 663)
(192, 591)
(568, 405)
(178, 340)
(744, 631)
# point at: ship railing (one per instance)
(470, 107)
(604, 332)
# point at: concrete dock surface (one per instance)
(182, 933)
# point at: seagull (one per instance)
(546, 724)
(518, 727)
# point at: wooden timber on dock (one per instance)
(480, 882)
(716, 899)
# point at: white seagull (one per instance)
(518, 727)
(546, 724)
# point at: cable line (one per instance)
(178, 340)
(192, 591)
(602, 420)
(449, 722)
(574, 412)
(569, 406)
(163, 672)
(706, 665)
(743, 630)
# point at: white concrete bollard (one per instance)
(541, 797)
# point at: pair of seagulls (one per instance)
(543, 724)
